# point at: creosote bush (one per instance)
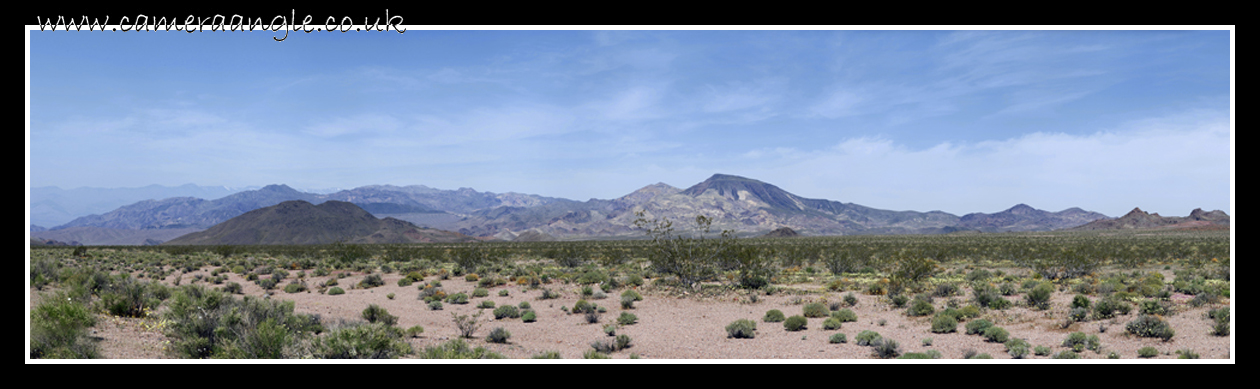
(831, 324)
(943, 324)
(977, 327)
(837, 339)
(742, 329)
(498, 335)
(1148, 326)
(795, 323)
(774, 316)
(374, 313)
(815, 310)
(867, 338)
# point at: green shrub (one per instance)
(457, 349)
(774, 316)
(529, 317)
(369, 341)
(1017, 348)
(945, 290)
(795, 323)
(506, 311)
(977, 327)
(899, 301)
(831, 324)
(582, 306)
(233, 288)
(435, 305)
(1220, 317)
(627, 302)
(815, 310)
(845, 316)
(371, 281)
(1148, 352)
(837, 339)
(944, 324)
(610, 330)
(1108, 307)
(1041, 351)
(742, 329)
(485, 304)
(627, 318)
(1078, 314)
(336, 291)
(480, 292)
(59, 330)
(1080, 301)
(498, 335)
(1077, 341)
(867, 338)
(996, 335)
(632, 294)
(458, 299)
(1066, 354)
(920, 308)
(414, 331)
(885, 348)
(467, 325)
(1148, 326)
(1187, 354)
(1039, 297)
(523, 305)
(405, 281)
(1000, 303)
(374, 313)
(295, 287)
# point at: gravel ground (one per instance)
(687, 328)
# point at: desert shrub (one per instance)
(523, 305)
(979, 275)
(1041, 351)
(467, 325)
(837, 339)
(592, 316)
(435, 305)
(945, 290)
(334, 291)
(1187, 354)
(1108, 307)
(899, 300)
(471, 277)
(295, 287)
(480, 292)
(405, 282)
(233, 288)
(943, 324)
(485, 304)
(1148, 326)
(1152, 307)
(815, 310)
(774, 316)
(977, 327)
(506, 311)
(627, 318)
(845, 316)
(1066, 354)
(458, 299)
(1077, 341)
(920, 308)
(968, 312)
(867, 338)
(886, 348)
(742, 329)
(1000, 303)
(371, 281)
(594, 354)
(457, 349)
(369, 341)
(851, 299)
(831, 324)
(547, 294)
(59, 330)
(622, 342)
(1017, 348)
(1078, 314)
(795, 323)
(996, 335)
(498, 335)
(266, 284)
(414, 331)
(627, 302)
(1039, 297)
(1220, 317)
(374, 313)
(582, 306)
(1080, 301)
(205, 323)
(529, 317)
(1148, 352)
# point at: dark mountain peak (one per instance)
(281, 188)
(729, 177)
(1022, 209)
(1136, 212)
(730, 187)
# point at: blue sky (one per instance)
(958, 121)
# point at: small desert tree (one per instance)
(690, 258)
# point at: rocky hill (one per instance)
(300, 222)
(1139, 219)
(1021, 218)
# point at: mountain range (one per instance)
(1139, 219)
(747, 206)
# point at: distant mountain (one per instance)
(53, 206)
(300, 222)
(189, 212)
(1022, 218)
(1139, 219)
(99, 236)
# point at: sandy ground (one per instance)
(691, 328)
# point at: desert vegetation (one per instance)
(1126, 293)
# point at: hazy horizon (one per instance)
(956, 121)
